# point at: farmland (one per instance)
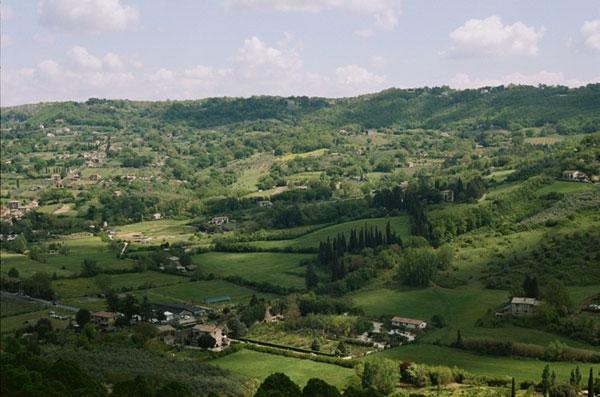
(280, 269)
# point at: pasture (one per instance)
(78, 287)
(567, 187)
(195, 292)
(13, 323)
(503, 367)
(165, 229)
(277, 268)
(12, 307)
(257, 365)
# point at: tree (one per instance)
(311, 279)
(237, 328)
(90, 268)
(459, 341)
(43, 327)
(20, 244)
(39, 286)
(319, 388)
(278, 385)
(174, 389)
(137, 387)
(530, 287)
(418, 266)
(591, 383)
(12, 272)
(341, 349)
(83, 317)
(513, 391)
(130, 306)
(557, 296)
(206, 341)
(316, 346)
(380, 375)
(546, 381)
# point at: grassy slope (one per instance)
(76, 287)
(277, 268)
(195, 292)
(260, 365)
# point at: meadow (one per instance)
(77, 287)
(195, 292)
(253, 364)
(12, 307)
(282, 269)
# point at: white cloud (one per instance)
(256, 68)
(83, 59)
(385, 13)
(463, 80)
(6, 12)
(591, 34)
(490, 36)
(356, 75)
(87, 15)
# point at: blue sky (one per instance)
(176, 49)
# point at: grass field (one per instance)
(85, 248)
(76, 287)
(567, 187)
(197, 291)
(258, 365)
(65, 265)
(521, 369)
(165, 229)
(400, 224)
(11, 307)
(277, 268)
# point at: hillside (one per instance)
(303, 226)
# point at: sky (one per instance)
(56, 50)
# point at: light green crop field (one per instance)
(400, 224)
(259, 365)
(76, 287)
(278, 268)
(164, 229)
(197, 291)
(567, 187)
(521, 369)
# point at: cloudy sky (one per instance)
(158, 49)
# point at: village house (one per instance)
(408, 323)
(219, 220)
(104, 320)
(95, 177)
(209, 329)
(523, 306)
(167, 334)
(448, 195)
(265, 204)
(13, 205)
(574, 175)
(156, 216)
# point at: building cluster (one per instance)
(176, 324)
(14, 209)
(574, 175)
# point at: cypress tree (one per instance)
(513, 390)
(591, 383)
